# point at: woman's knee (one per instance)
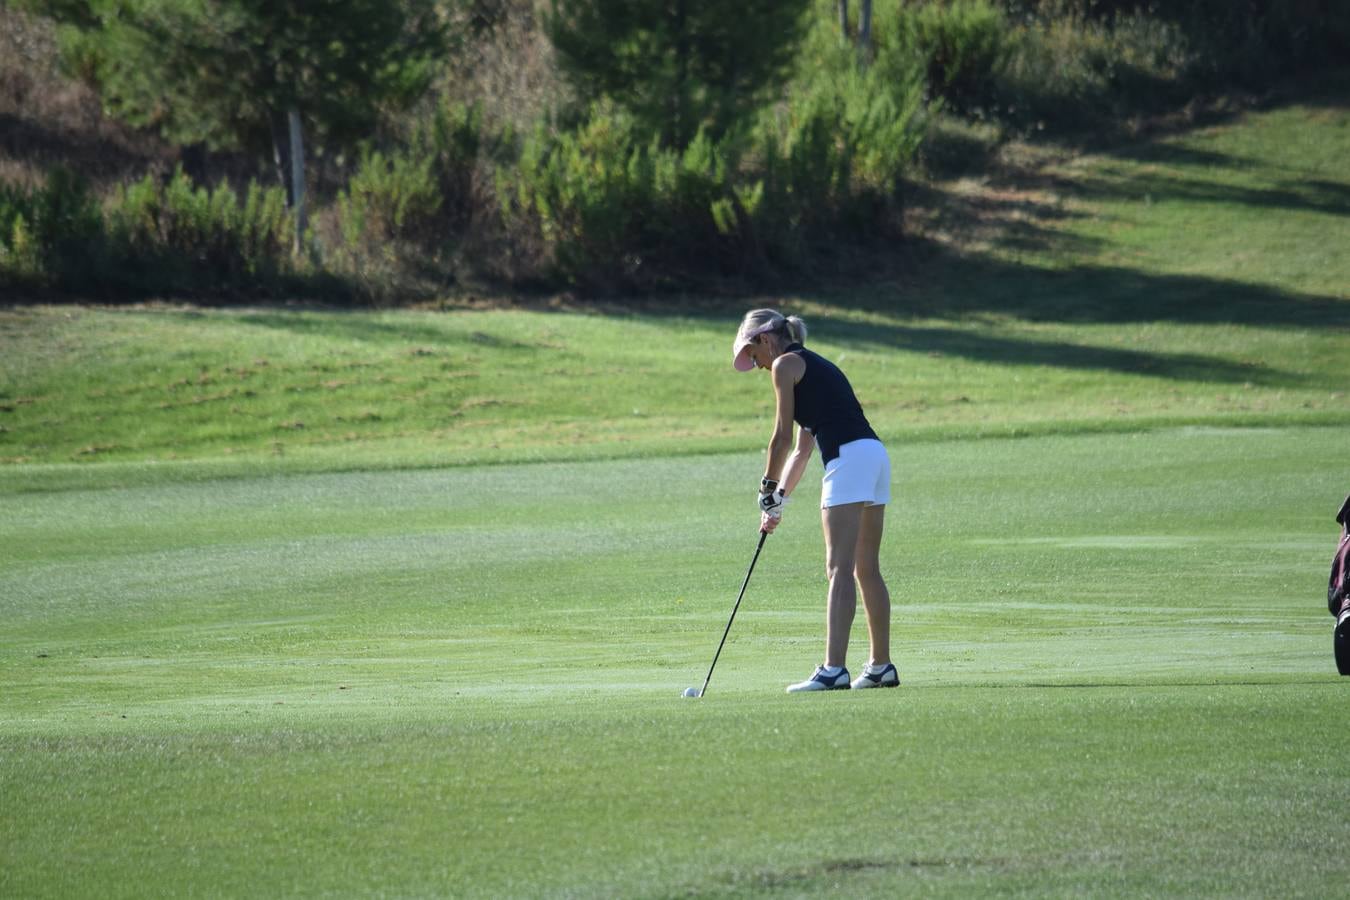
(867, 570)
(841, 566)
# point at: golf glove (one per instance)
(771, 503)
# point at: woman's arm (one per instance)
(791, 474)
(787, 371)
(796, 464)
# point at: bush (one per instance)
(389, 197)
(454, 139)
(402, 223)
(173, 235)
(963, 46)
(1074, 72)
(1248, 43)
(50, 236)
(834, 157)
(151, 237)
(614, 211)
(20, 259)
(1254, 42)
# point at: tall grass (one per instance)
(148, 236)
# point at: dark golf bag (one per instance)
(1338, 589)
(1338, 592)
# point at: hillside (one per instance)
(1192, 278)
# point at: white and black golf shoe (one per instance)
(820, 680)
(887, 677)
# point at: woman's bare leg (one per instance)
(876, 597)
(842, 525)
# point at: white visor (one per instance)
(740, 353)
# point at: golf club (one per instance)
(753, 560)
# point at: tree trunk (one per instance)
(281, 154)
(843, 21)
(297, 145)
(864, 27)
(680, 94)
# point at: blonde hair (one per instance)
(791, 329)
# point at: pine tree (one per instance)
(677, 65)
(248, 74)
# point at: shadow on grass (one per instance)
(956, 288)
(982, 347)
(1290, 194)
(417, 334)
(957, 285)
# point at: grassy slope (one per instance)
(1191, 279)
(1118, 678)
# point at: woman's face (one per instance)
(764, 350)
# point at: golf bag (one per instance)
(1338, 589)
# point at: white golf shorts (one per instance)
(861, 473)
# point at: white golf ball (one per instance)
(691, 692)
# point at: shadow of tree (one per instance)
(1286, 194)
(365, 330)
(1021, 351)
(948, 283)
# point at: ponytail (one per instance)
(791, 328)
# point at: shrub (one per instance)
(401, 224)
(1248, 43)
(834, 157)
(454, 139)
(1254, 42)
(389, 197)
(963, 45)
(615, 211)
(20, 255)
(1074, 72)
(50, 236)
(173, 235)
(152, 236)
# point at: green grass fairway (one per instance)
(466, 682)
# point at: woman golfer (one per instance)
(813, 392)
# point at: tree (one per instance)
(251, 74)
(677, 65)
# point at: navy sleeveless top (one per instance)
(825, 405)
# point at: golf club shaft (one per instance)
(744, 585)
